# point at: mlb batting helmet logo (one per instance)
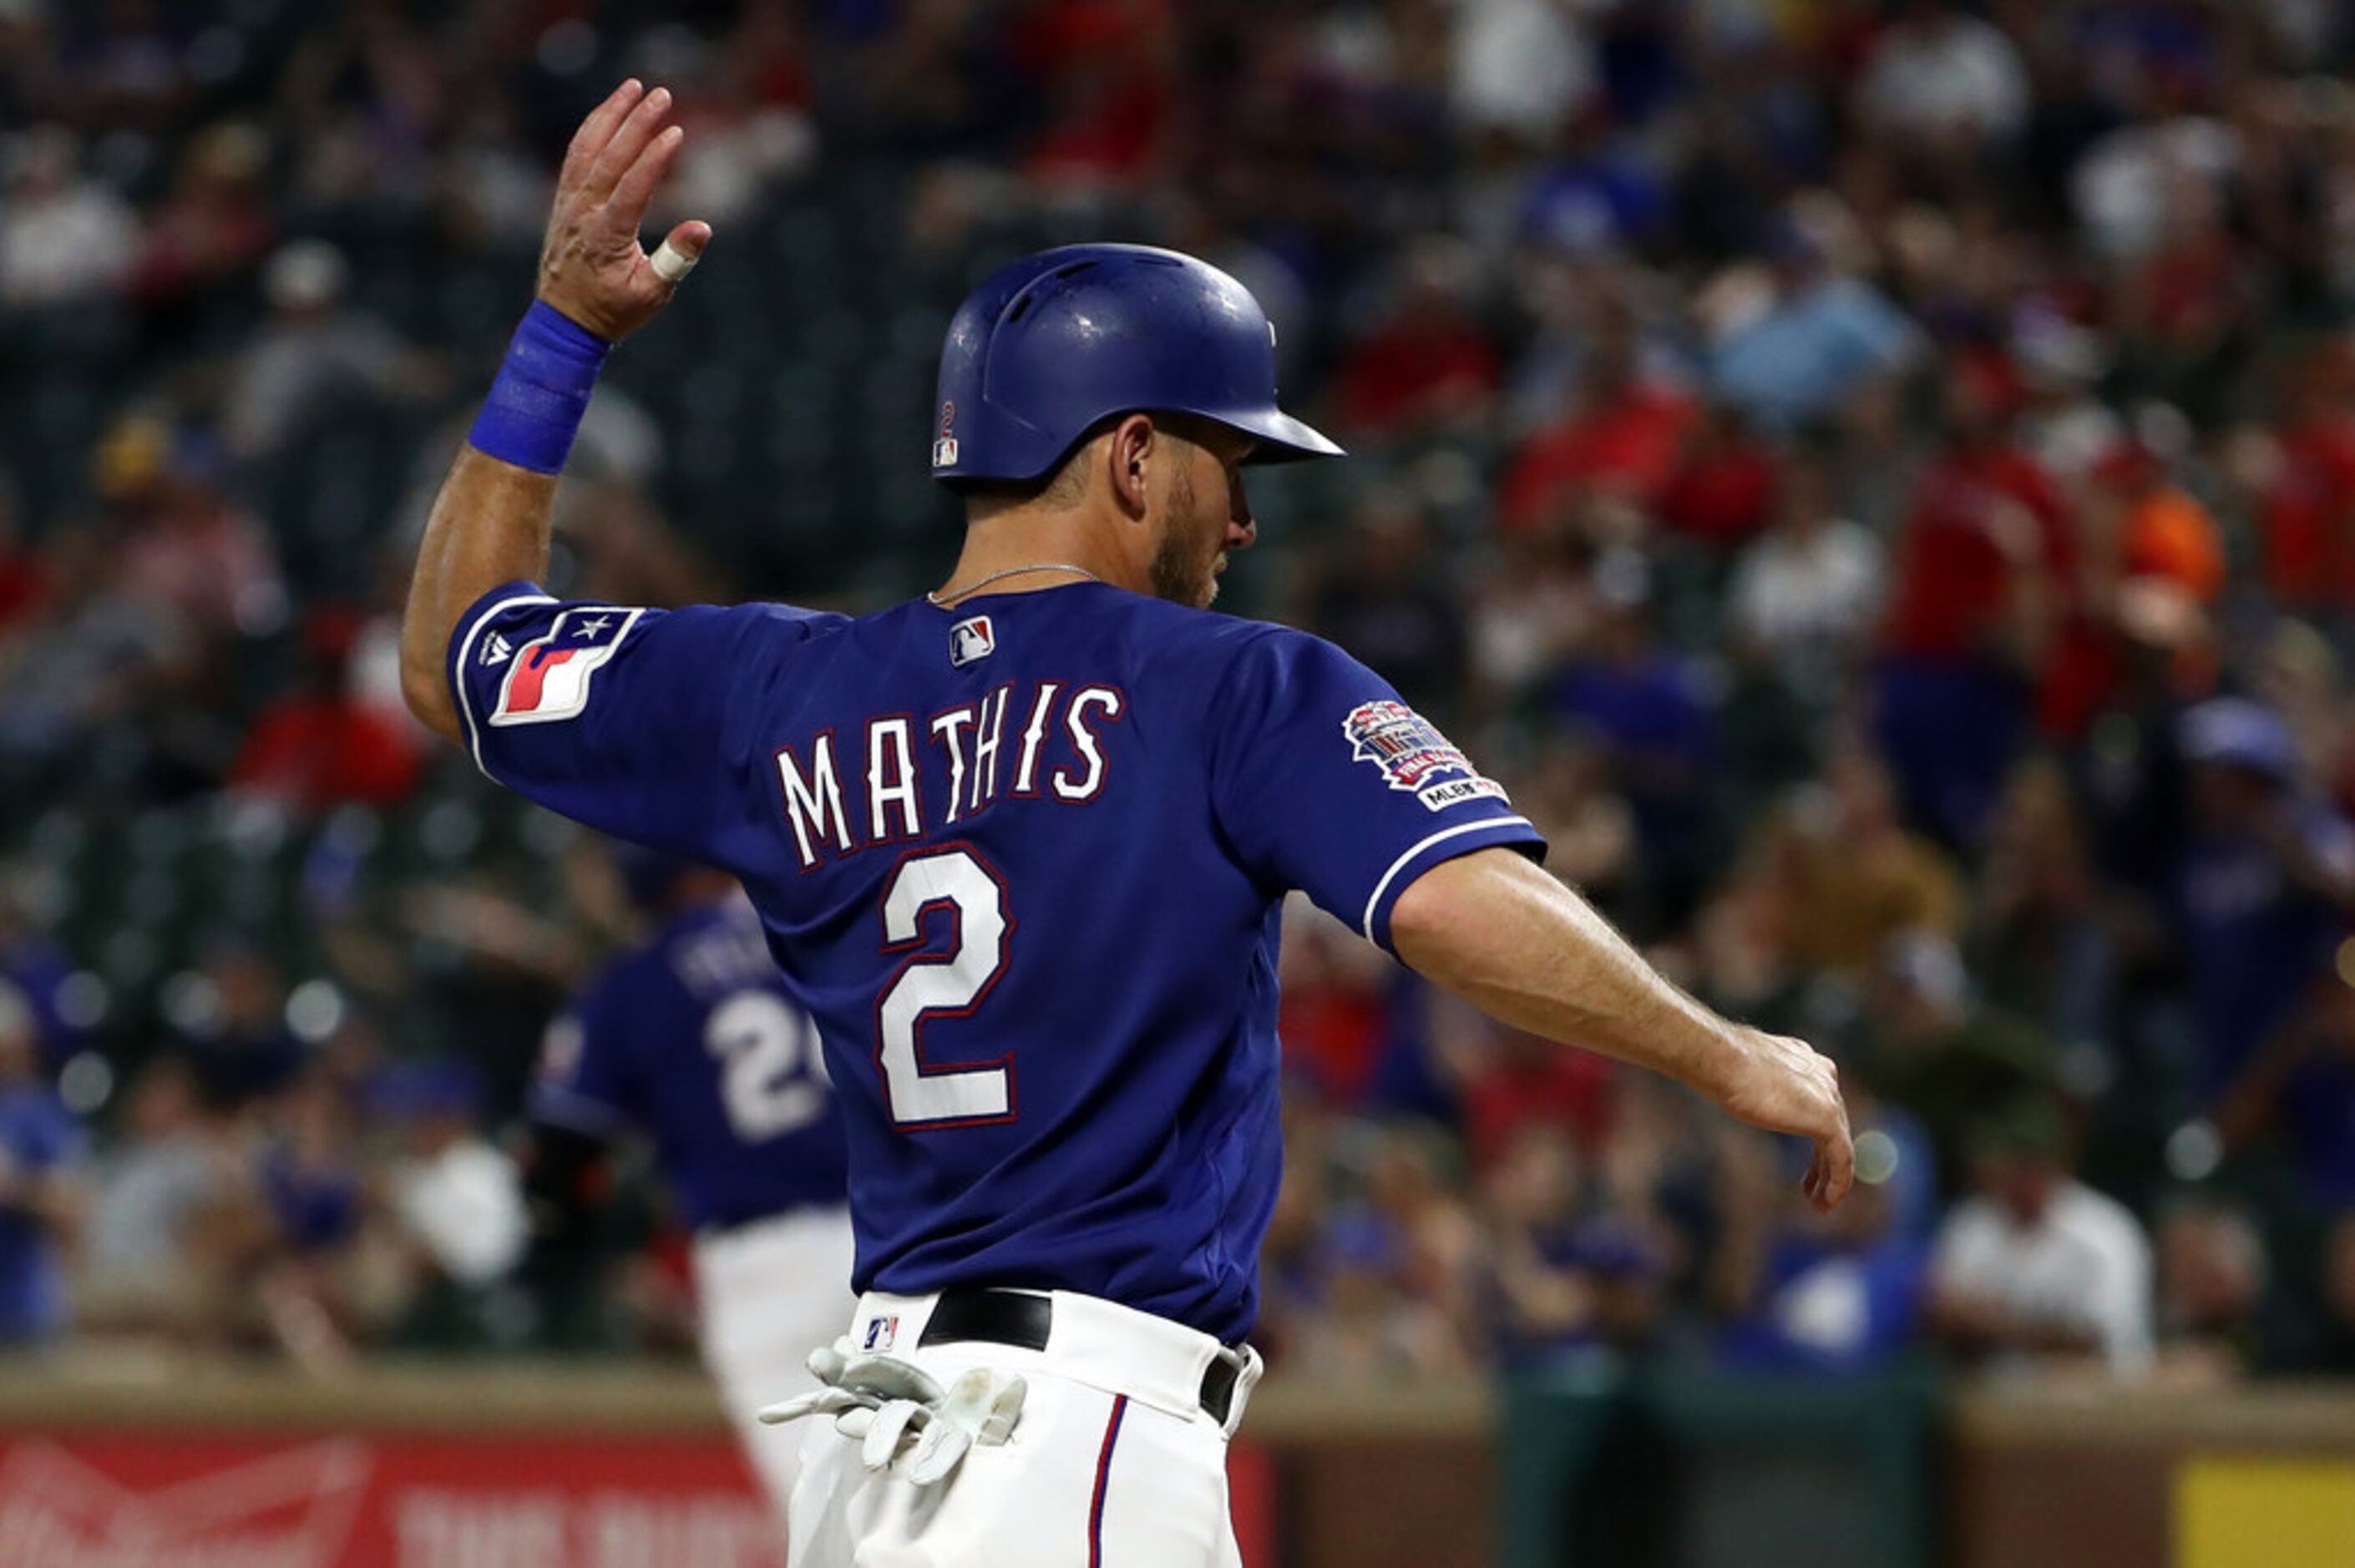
(945, 445)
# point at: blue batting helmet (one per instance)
(1060, 341)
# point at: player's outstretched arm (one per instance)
(1499, 932)
(489, 524)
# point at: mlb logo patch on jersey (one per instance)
(548, 680)
(1415, 757)
(971, 639)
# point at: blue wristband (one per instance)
(534, 406)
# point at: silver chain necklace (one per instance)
(951, 598)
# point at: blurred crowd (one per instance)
(1876, 479)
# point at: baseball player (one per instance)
(1019, 846)
(692, 1040)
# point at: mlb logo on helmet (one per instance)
(945, 445)
(970, 640)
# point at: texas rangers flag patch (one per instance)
(548, 679)
(1415, 757)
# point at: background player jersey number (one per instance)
(772, 1076)
(935, 987)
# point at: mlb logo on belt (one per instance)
(881, 1332)
(548, 679)
(970, 639)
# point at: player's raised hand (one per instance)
(592, 268)
(1785, 1086)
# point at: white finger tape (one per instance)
(671, 263)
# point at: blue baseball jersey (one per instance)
(39, 1137)
(693, 1040)
(1022, 860)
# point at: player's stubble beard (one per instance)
(1183, 573)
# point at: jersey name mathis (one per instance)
(905, 776)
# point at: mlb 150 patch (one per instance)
(548, 678)
(1415, 757)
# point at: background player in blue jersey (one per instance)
(1019, 847)
(691, 1040)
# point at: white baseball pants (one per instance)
(1113, 1464)
(767, 1292)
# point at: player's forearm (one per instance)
(1514, 942)
(488, 526)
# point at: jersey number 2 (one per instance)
(772, 1076)
(942, 986)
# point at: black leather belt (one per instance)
(1023, 1319)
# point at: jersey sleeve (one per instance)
(631, 720)
(1324, 781)
(586, 1080)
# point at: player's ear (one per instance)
(1128, 458)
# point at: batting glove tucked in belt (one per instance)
(895, 1409)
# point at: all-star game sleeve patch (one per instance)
(1413, 756)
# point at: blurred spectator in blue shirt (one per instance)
(2302, 1087)
(2264, 889)
(1569, 1274)
(1824, 1293)
(38, 969)
(237, 1039)
(42, 1153)
(1597, 195)
(1820, 340)
(1643, 705)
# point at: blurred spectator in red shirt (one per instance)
(317, 747)
(1724, 493)
(215, 225)
(1335, 1011)
(1622, 439)
(2307, 512)
(1515, 1083)
(183, 543)
(1985, 572)
(2140, 531)
(1426, 363)
(24, 586)
(1103, 70)
(2188, 311)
